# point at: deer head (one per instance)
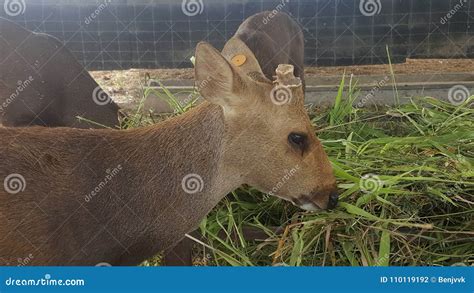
(270, 143)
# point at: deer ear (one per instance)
(237, 52)
(216, 80)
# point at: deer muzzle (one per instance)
(317, 201)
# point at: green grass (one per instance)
(406, 180)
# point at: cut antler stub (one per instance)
(285, 76)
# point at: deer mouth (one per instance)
(310, 207)
(313, 202)
(306, 204)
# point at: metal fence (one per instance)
(120, 34)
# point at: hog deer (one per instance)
(83, 197)
(274, 38)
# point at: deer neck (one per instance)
(191, 168)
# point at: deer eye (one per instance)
(298, 141)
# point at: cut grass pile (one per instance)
(406, 180)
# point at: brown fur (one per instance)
(142, 209)
(238, 137)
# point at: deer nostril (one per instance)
(333, 198)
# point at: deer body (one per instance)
(143, 209)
